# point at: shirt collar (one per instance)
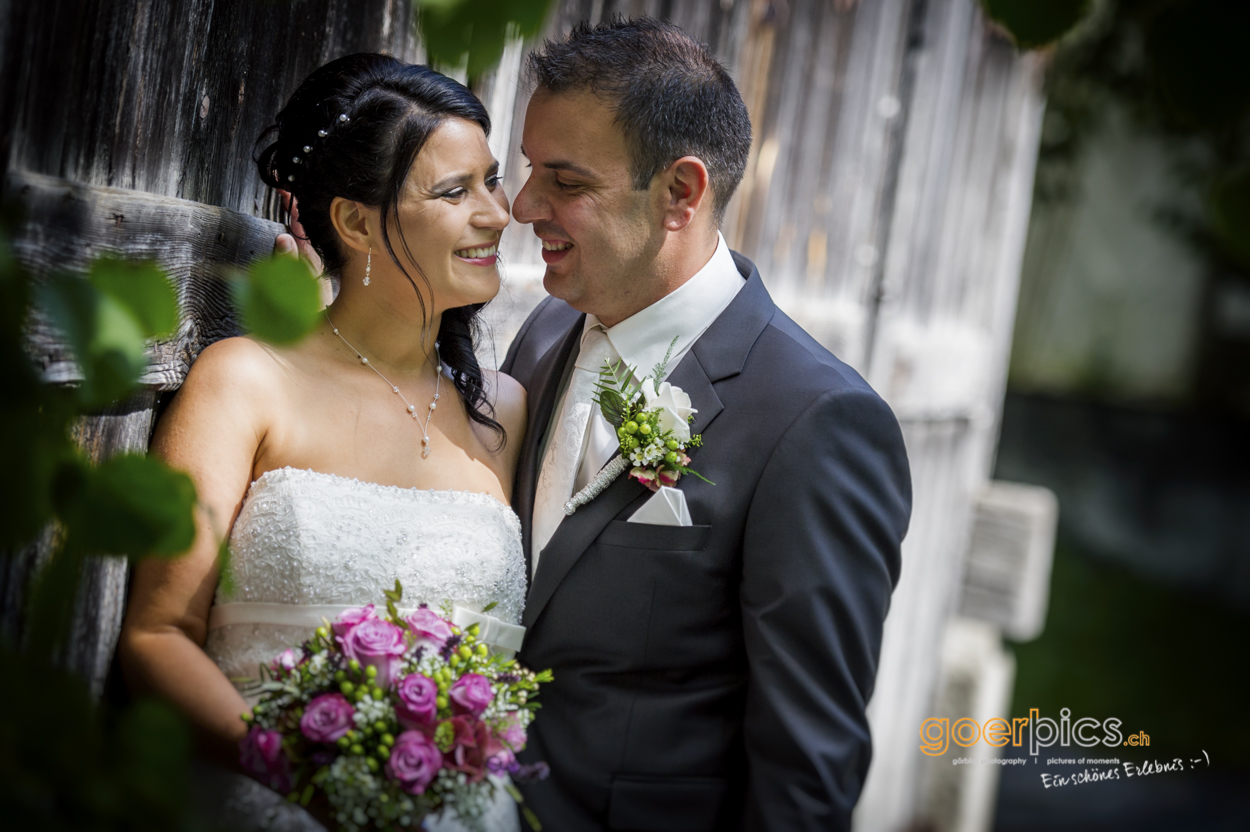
(642, 339)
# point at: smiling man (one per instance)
(714, 645)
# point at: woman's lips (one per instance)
(482, 256)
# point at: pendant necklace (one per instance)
(412, 409)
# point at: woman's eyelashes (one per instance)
(454, 194)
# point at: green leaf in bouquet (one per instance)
(142, 288)
(612, 406)
(107, 340)
(130, 505)
(279, 299)
(490, 606)
(531, 819)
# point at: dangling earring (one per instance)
(368, 265)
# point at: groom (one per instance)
(712, 670)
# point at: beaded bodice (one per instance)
(308, 538)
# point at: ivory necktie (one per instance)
(568, 440)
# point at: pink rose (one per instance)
(667, 477)
(510, 732)
(261, 755)
(327, 717)
(414, 761)
(431, 630)
(471, 694)
(375, 642)
(473, 748)
(287, 660)
(350, 618)
(645, 476)
(418, 701)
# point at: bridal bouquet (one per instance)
(393, 718)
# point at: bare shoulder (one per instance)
(236, 365)
(509, 399)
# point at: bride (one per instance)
(373, 450)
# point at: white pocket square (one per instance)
(667, 507)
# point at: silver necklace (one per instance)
(412, 409)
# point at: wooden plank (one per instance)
(68, 224)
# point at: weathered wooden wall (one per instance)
(141, 116)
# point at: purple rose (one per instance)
(418, 701)
(350, 618)
(377, 643)
(430, 630)
(414, 761)
(471, 694)
(261, 755)
(327, 717)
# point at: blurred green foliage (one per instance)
(474, 32)
(1179, 70)
(67, 765)
(64, 763)
(1162, 660)
(1034, 23)
(279, 299)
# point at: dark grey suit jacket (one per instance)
(716, 676)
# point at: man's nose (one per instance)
(528, 207)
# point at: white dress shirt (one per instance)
(642, 339)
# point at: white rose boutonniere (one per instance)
(652, 420)
(674, 408)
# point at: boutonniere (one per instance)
(652, 420)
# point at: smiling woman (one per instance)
(370, 452)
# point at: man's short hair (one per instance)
(671, 96)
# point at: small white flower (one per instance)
(674, 406)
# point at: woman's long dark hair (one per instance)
(353, 130)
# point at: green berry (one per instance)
(454, 661)
(371, 763)
(347, 688)
(482, 650)
(376, 693)
(360, 693)
(340, 676)
(380, 727)
(323, 632)
(387, 739)
(344, 742)
(671, 457)
(371, 671)
(673, 444)
(632, 427)
(358, 750)
(644, 429)
(466, 652)
(354, 665)
(441, 702)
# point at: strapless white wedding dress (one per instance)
(305, 540)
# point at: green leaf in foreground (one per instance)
(1230, 214)
(1034, 23)
(453, 30)
(143, 289)
(279, 299)
(130, 505)
(106, 338)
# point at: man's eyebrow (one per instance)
(559, 164)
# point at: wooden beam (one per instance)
(68, 224)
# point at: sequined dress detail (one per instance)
(309, 538)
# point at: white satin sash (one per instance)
(502, 637)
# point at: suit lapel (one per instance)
(544, 388)
(720, 353)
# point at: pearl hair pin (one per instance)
(411, 408)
